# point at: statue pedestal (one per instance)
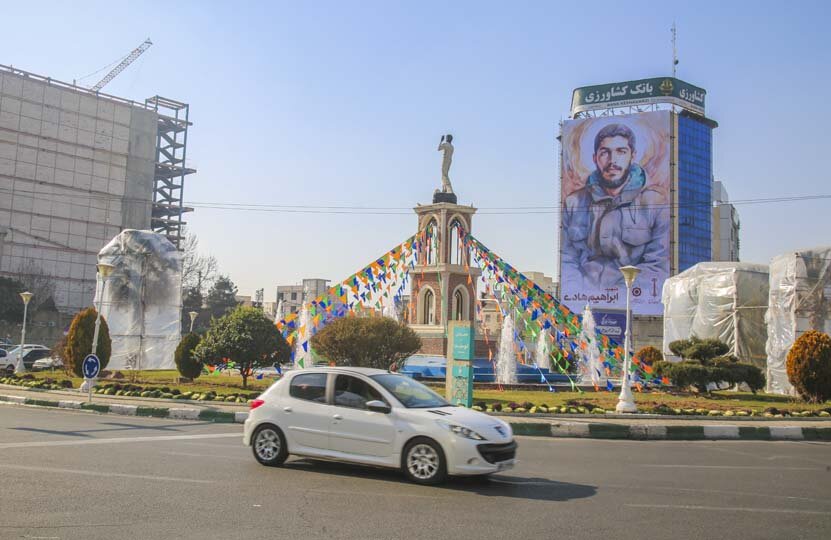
(443, 197)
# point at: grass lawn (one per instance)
(722, 401)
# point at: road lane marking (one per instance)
(729, 509)
(731, 467)
(213, 456)
(103, 474)
(118, 440)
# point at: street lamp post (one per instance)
(626, 401)
(20, 367)
(193, 315)
(104, 271)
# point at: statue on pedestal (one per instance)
(446, 146)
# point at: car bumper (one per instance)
(469, 457)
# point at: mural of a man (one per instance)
(616, 219)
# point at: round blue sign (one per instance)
(91, 366)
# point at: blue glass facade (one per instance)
(695, 173)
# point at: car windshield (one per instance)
(411, 393)
(10, 351)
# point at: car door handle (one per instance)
(287, 409)
(338, 417)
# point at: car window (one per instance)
(309, 386)
(354, 392)
(36, 354)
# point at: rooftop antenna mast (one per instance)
(674, 50)
(129, 59)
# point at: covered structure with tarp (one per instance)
(719, 300)
(800, 300)
(142, 300)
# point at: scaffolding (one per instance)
(169, 178)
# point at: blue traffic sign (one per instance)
(91, 366)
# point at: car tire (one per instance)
(10, 369)
(269, 445)
(423, 462)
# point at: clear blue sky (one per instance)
(343, 103)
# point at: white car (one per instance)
(31, 355)
(52, 362)
(375, 417)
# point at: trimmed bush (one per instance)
(809, 366)
(79, 341)
(188, 365)
(649, 355)
(693, 373)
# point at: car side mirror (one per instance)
(378, 406)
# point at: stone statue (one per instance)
(446, 146)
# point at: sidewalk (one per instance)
(637, 427)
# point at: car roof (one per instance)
(340, 369)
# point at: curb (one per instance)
(206, 415)
(678, 433)
(535, 429)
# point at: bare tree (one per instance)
(199, 271)
(42, 286)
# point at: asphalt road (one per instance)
(82, 475)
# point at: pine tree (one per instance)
(222, 297)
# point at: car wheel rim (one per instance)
(267, 444)
(423, 461)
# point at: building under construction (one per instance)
(77, 167)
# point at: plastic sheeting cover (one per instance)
(719, 300)
(800, 300)
(142, 300)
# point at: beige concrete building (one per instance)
(76, 168)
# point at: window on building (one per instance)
(456, 245)
(294, 296)
(459, 305)
(429, 306)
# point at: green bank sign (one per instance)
(640, 92)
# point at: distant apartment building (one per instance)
(725, 226)
(545, 282)
(293, 296)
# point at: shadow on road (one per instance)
(538, 489)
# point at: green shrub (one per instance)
(188, 365)
(79, 341)
(692, 373)
(702, 350)
(809, 366)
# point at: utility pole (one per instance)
(674, 50)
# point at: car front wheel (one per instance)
(269, 446)
(424, 462)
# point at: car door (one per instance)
(354, 429)
(34, 355)
(305, 413)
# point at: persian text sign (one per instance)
(640, 92)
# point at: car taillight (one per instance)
(256, 403)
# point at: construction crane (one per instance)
(138, 51)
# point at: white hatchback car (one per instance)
(375, 417)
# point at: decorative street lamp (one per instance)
(20, 368)
(104, 271)
(626, 401)
(193, 315)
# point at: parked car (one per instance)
(31, 354)
(375, 417)
(51, 362)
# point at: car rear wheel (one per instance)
(10, 369)
(424, 462)
(269, 445)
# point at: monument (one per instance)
(443, 280)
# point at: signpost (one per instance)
(90, 369)
(459, 371)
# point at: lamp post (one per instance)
(626, 401)
(104, 271)
(20, 367)
(193, 315)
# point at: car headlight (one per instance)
(461, 431)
